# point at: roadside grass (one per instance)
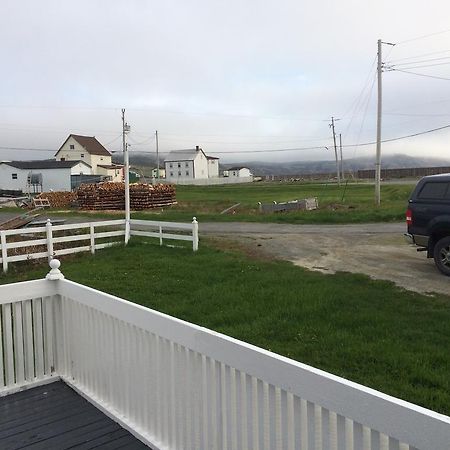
(367, 331)
(351, 204)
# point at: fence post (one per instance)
(127, 231)
(49, 231)
(92, 232)
(160, 235)
(194, 234)
(4, 251)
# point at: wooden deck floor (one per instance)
(56, 417)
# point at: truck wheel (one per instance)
(441, 255)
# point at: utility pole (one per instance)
(335, 151)
(379, 114)
(157, 155)
(125, 130)
(342, 160)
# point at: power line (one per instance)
(421, 74)
(423, 37)
(418, 56)
(419, 61)
(268, 150)
(419, 67)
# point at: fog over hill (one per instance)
(397, 161)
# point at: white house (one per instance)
(192, 164)
(89, 150)
(237, 172)
(41, 175)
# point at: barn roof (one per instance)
(43, 164)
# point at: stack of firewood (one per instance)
(112, 196)
(58, 199)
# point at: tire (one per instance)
(441, 255)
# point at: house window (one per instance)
(213, 162)
(82, 155)
(170, 165)
(187, 164)
(179, 173)
(72, 147)
(101, 159)
(179, 165)
(187, 173)
(171, 174)
(14, 176)
(63, 159)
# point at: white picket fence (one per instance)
(44, 237)
(180, 386)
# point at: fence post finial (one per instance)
(55, 273)
(194, 234)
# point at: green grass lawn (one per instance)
(351, 204)
(367, 331)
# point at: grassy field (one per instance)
(367, 331)
(351, 204)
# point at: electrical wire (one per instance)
(419, 61)
(421, 74)
(273, 150)
(423, 37)
(419, 67)
(418, 56)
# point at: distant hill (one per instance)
(397, 161)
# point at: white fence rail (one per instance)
(179, 386)
(151, 228)
(43, 238)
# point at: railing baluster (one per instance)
(255, 413)
(304, 424)
(2, 367)
(244, 412)
(8, 344)
(28, 339)
(47, 306)
(214, 415)
(278, 418)
(18, 343)
(290, 418)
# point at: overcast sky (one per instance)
(230, 76)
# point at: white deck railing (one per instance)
(179, 386)
(43, 239)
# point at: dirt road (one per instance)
(377, 250)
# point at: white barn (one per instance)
(40, 175)
(182, 166)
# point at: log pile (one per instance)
(58, 199)
(108, 195)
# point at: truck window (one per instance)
(433, 190)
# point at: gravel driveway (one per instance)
(378, 250)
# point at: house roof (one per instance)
(183, 155)
(89, 143)
(237, 168)
(43, 164)
(110, 166)
(211, 157)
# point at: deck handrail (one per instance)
(176, 384)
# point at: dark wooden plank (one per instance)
(78, 436)
(56, 417)
(101, 440)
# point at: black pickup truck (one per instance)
(428, 219)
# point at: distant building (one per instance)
(213, 166)
(192, 164)
(89, 150)
(237, 172)
(41, 175)
(162, 173)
